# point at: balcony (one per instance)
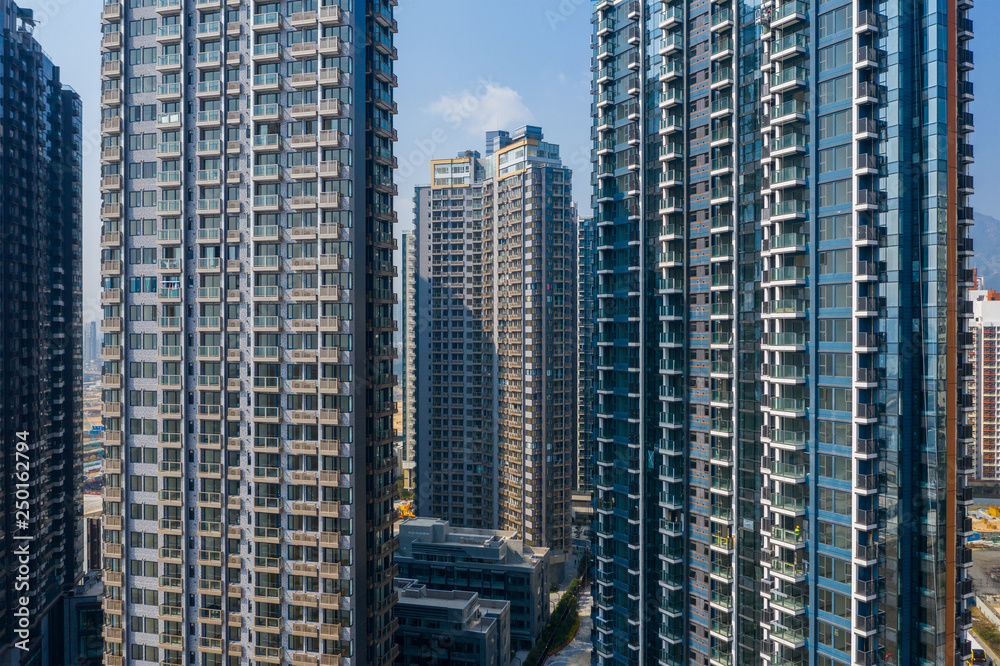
(789, 14)
(868, 21)
(329, 15)
(672, 43)
(267, 22)
(789, 46)
(788, 112)
(169, 33)
(869, 93)
(111, 41)
(111, 154)
(788, 144)
(329, 46)
(789, 177)
(209, 30)
(722, 20)
(111, 97)
(786, 210)
(270, 52)
(209, 60)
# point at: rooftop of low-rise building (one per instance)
(456, 606)
(434, 534)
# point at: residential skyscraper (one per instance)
(409, 308)
(983, 358)
(495, 240)
(41, 345)
(453, 386)
(91, 344)
(781, 196)
(586, 277)
(247, 263)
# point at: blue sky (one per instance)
(466, 66)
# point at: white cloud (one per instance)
(483, 108)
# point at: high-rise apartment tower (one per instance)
(410, 324)
(495, 240)
(41, 345)
(247, 192)
(781, 196)
(586, 266)
(983, 358)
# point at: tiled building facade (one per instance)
(247, 189)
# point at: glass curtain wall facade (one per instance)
(782, 208)
(41, 344)
(247, 189)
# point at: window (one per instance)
(142, 340)
(140, 255)
(142, 455)
(835, 296)
(147, 597)
(142, 141)
(835, 90)
(140, 112)
(835, 365)
(834, 569)
(837, 536)
(142, 228)
(837, 434)
(835, 193)
(837, 55)
(146, 624)
(834, 330)
(142, 511)
(141, 427)
(141, 27)
(142, 398)
(834, 21)
(835, 124)
(834, 637)
(835, 261)
(145, 652)
(143, 483)
(837, 399)
(144, 56)
(834, 501)
(142, 540)
(140, 198)
(834, 603)
(142, 313)
(141, 84)
(142, 170)
(835, 159)
(142, 370)
(834, 227)
(834, 467)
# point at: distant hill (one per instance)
(986, 243)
